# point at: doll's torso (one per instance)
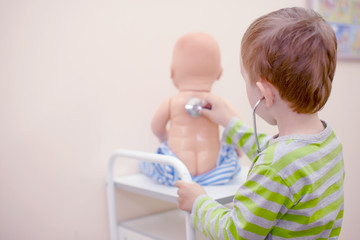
(194, 140)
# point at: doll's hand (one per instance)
(220, 112)
(187, 194)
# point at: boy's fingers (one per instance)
(210, 98)
(206, 105)
(205, 112)
(179, 183)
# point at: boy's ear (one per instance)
(267, 90)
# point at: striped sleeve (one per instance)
(242, 136)
(258, 204)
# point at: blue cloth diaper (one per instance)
(227, 167)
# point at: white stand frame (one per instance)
(139, 183)
(151, 157)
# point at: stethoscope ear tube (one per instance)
(254, 123)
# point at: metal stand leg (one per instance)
(190, 231)
(110, 187)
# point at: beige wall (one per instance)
(79, 79)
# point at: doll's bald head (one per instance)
(196, 61)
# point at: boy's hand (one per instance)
(221, 111)
(187, 194)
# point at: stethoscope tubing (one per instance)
(254, 123)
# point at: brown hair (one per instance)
(295, 50)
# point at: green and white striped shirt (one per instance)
(294, 189)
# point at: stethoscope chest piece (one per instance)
(193, 107)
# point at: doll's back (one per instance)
(194, 140)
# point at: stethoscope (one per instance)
(193, 107)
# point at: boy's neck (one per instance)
(294, 123)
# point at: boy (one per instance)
(294, 189)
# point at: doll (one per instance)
(193, 138)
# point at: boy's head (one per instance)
(295, 50)
(196, 61)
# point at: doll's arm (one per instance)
(160, 120)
